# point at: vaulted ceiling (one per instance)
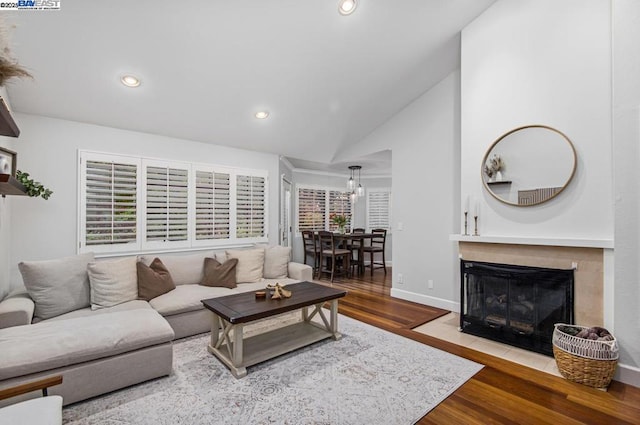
(207, 66)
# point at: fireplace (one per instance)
(516, 305)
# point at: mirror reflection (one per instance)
(529, 165)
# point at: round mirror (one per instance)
(529, 165)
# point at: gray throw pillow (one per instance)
(57, 286)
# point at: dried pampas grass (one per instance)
(9, 67)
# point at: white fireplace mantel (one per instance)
(527, 240)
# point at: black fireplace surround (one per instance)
(516, 305)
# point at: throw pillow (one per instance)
(250, 264)
(216, 274)
(276, 262)
(153, 280)
(113, 282)
(57, 286)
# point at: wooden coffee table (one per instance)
(231, 313)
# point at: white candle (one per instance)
(475, 208)
(466, 204)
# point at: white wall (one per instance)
(425, 143)
(5, 221)
(626, 126)
(541, 62)
(48, 151)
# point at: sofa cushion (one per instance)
(153, 280)
(184, 269)
(187, 298)
(53, 344)
(250, 264)
(276, 261)
(216, 274)
(57, 286)
(113, 282)
(88, 312)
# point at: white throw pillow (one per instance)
(276, 262)
(250, 264)
(113, 282)
(57, 286)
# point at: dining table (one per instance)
(347, 239)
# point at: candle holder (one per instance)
(466, 233)
(475, 233)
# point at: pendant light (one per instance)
(355, 189)
(351, 184)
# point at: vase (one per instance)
(341, 230)
(498, 176)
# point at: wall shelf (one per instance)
(10, 186)
(8, 126)
(499, 182)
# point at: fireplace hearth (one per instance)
(516, 305)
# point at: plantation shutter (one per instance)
(212, 208)
(339, 204)
(109, 215)
(311, 209)
(205, 194)
(167, 207)
(250, 206)
(379, 209)
(222, 203)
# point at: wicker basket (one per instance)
(584, 361)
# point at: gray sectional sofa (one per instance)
(100, 349)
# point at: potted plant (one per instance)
(340, 220)
(494, 168)
(34, 188)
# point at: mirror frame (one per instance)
(564, 186)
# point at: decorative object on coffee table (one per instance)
(278, 292)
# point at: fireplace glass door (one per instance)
(516, 305)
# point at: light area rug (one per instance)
(370, 376)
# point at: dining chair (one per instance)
(378, 242)
(332, 253)
(355, 245)
(311, 249)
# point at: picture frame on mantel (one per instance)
(8, 162)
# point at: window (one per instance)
(339, 204)
(250, 211)
(110, 199)
(129, 204)
(379, 209)
(167, 205)
(317, 205)
(212, 211)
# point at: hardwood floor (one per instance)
(503, 392)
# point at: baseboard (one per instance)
(628, 374)
(425, 299)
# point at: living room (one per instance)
(568, 64)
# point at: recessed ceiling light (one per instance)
(346, 7)
(130, 81)
(262, 115)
